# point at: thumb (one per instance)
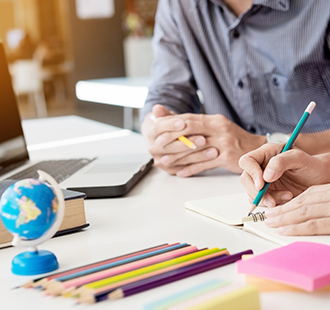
(160, 111)
(292, 160)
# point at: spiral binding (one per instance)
(258, 216)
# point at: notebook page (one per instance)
(270, 234)
(227, 209)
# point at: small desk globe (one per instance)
(32, 212)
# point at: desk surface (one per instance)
(151, 213)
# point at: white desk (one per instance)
(127, 92)
(151, 213)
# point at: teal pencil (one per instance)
(288, 146)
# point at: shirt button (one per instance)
(252, 129)
(240, 84)
(236, 34)
(275, 82)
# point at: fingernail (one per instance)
(286, 196)
(268, 203)
(159, 140)
(178, 124)
(200, 141)
(269, 222)
(270, 212)
(180, 173)
(211, 153)
(269, 174)
(257, 184)
(282, 230)
(164, 159)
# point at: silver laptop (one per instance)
(102, 177)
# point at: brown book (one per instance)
(74, 215)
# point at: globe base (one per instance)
(31, 263)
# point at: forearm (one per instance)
(314, 143)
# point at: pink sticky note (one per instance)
(302, 264)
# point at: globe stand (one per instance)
(36, 261)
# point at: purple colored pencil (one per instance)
(175, 275)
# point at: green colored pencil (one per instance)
(287, 147)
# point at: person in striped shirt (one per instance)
(228, 72)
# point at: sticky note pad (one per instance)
(305, 265)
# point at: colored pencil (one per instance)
(148, 269)
(114, 264)
(58, 288)
(37, 282)
(95, 295)
(175, 275)
(287, 147)
(182, 139)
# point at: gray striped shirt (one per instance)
(260, 69)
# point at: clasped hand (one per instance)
(220, 142)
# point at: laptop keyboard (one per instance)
(58, 169)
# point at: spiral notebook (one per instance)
(230, 210)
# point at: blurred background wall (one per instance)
(68, 41)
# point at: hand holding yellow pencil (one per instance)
(183, 139)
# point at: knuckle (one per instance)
(312, 226)
(243, 177)
(299, 200)
(157, 162)
(303, 211)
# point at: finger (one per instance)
(253, 161)
(196, 168)
(280, 197)
(290, 160)
(309, 228)
(169, 159)
(160, 111)
(303, 214)
(167, 130)
(193, 157)
(312, 196)
(247, 181)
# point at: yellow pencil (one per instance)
(183, 139)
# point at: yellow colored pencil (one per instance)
(183, 139)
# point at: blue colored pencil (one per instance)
(288, 146)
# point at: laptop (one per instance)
(101, 177)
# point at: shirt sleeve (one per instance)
(173, 84)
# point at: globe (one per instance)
(28, 208)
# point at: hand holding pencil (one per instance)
(286, 171)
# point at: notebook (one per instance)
(102, 177)
(301, 264)
(230, 210)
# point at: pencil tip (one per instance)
(253, 206)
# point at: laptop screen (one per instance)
(12, 143)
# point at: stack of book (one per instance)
(74, 216)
